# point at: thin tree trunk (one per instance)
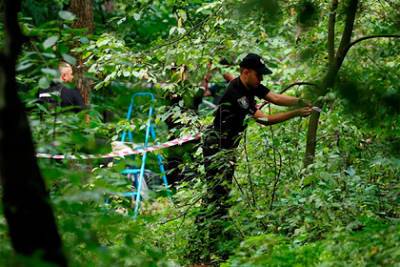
(27, 210)
(331, 32)
(330, 77)
(83, 9)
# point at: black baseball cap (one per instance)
(254, 62)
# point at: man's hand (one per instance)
(304, 112)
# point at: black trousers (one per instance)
(212, 222)
(219, 163)
(177, 157)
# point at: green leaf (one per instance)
(49, 42)
(126, 73)
(208, 8)
(350, 171)
(122, 20)
(69, 59)
(66, 15)
(44, 83)
(42, 108)
(181, 30)
(49, 71)
(172, 30)
(24, 65)
(49, 55)
(84, 40)
(136, 16)
(86, 55)
(309, 180)
(182, 14)
(62, 48)
(103, 41)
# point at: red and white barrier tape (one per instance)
(120, 149)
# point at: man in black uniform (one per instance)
(221, 141)
(59, 94)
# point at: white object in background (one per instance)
(317, 109)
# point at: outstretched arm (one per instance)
(280, 117)
(285, 100)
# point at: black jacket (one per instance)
(235, 104)
(58, 94)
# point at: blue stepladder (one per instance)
(138, 173)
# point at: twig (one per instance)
(198, 25)
(38, 52)
(240, 187)
(277, 173)
(249, 170)
(382, 69)
(183, 214)
(298, 83)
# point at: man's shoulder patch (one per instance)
(243, 102)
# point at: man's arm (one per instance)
(280, 117)
(285, 100)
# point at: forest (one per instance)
(111, 148)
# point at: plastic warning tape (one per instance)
(122, 150)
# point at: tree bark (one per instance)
(331, 32)
(330, 77)
(27, 210)
(83, 9)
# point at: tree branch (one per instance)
(297, 83)
(329, 80)
(253, 199)
(330, 77)
(393, 74)
(369, 37)
(331, 33)
(346, 36)
(198, 25)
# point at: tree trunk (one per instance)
(330, 77)
(27, 210)
(83, 9)
(331, 32)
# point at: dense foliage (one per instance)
(342, 210)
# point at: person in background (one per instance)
(212, 84)
(58, 94)
(187, 98)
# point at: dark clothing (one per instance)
(220, 167)
(190, 97)
(58, 93)
(179, 156)
(213, 227)
(217, 91)
(236, 103)
(219, 161)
